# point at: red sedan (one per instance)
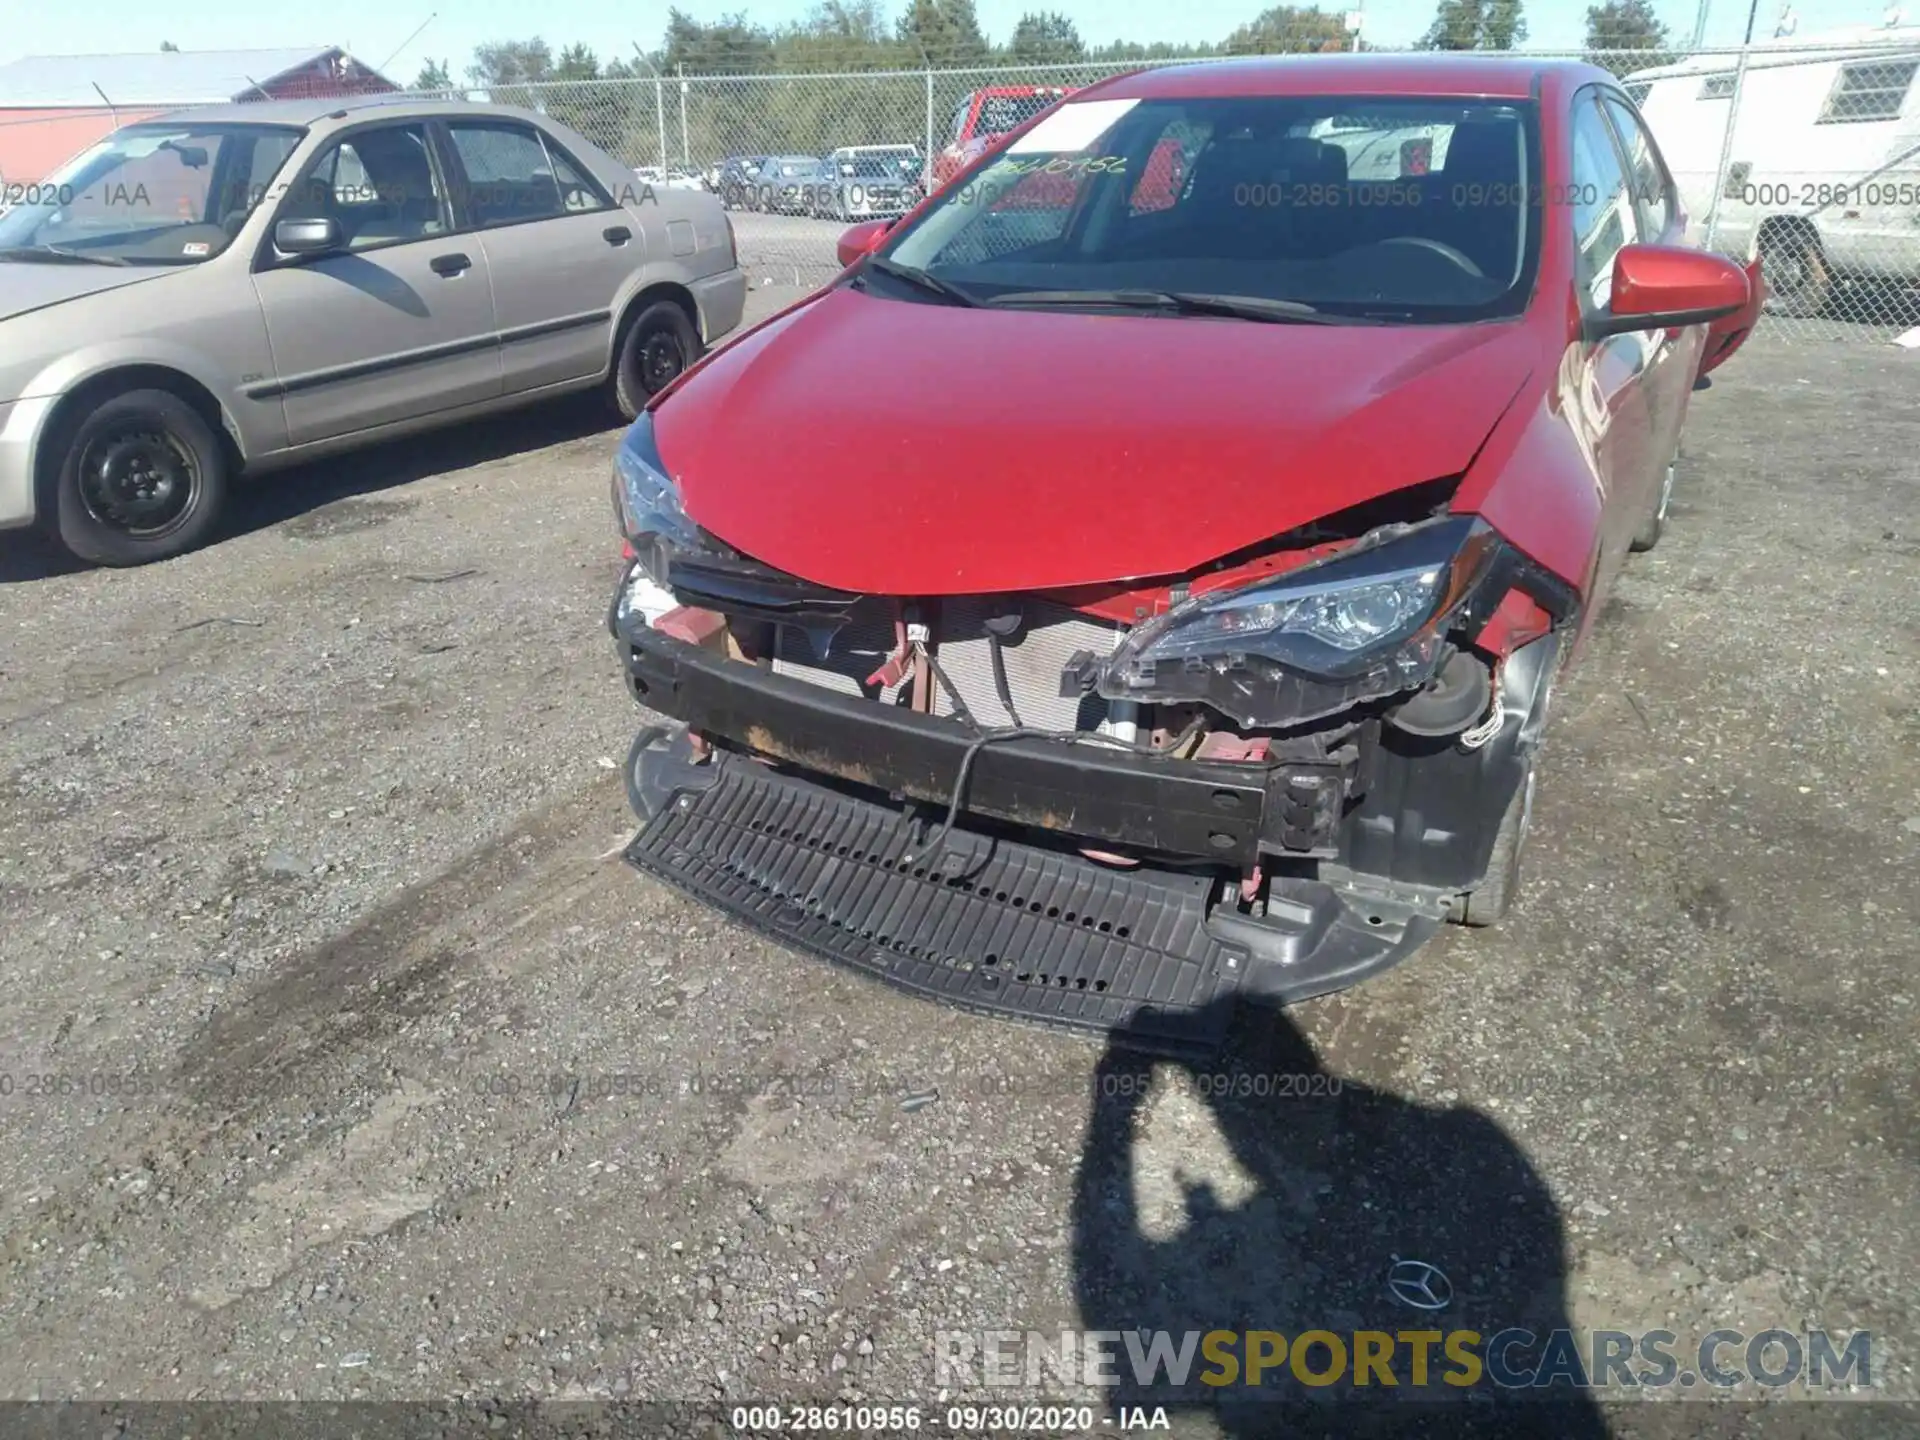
(1088, 607)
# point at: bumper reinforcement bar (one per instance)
(1217, 812)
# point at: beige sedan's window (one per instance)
(513, 175)
(379, 185)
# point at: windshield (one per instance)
(1404, 210)
(151, 194)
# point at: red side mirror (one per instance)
(1665, 287)
(862, 239)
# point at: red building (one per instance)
(54, 106)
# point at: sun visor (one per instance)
(1074, 127)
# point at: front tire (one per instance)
(655, 347)
(1799, 284)
(1650, 529)
(142, 477)
(1488, 905)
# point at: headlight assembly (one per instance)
(1369, 622)
(647, 502)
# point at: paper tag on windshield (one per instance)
(1074, 127)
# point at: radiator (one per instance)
(1048, 637)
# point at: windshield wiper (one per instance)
(57, 252)
(1187, 302)
(932, 284)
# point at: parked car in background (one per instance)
(226, 291)
(738, 174)
(670, 179)
(794, 185)
(1205, 646)
(870, 180)
(984, 114)
(1822, 181)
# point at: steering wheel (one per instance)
(1439, 247)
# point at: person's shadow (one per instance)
(1330, 1186)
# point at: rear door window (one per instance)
(513, 174)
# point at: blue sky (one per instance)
(375, 29)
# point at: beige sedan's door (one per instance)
(559, 249)
(396, 325)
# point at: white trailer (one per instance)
(1821, 179)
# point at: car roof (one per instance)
(333, 111)
(1397, 75)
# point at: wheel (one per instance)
(1649, 532)
(1798, 281)
(656, 346)
(1489, 904)
(142, 477)
(637, 798)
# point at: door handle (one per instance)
(616, 234)
(450, 264)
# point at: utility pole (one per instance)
(1700, 26)
(1726, 140)
(659, 105)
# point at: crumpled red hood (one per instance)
(889, 447)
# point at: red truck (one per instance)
(986, 115)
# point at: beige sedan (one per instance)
(231, 290)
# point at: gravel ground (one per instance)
(785, 250)
(304, 862)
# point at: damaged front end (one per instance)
(1270, 779)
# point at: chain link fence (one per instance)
(1804, 154)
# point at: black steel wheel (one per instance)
(143, 477)
(655, 347)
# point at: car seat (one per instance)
(406, 205)
(1265, 196)
(1316, 188)
(1484, 220)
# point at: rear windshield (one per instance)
(1403, 209)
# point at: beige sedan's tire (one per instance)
(142, 477)
(655, 346)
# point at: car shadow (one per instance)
(28, 555)
(261, 502)
(283, 495)
(1338, 1191)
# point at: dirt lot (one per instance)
(305, 902)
